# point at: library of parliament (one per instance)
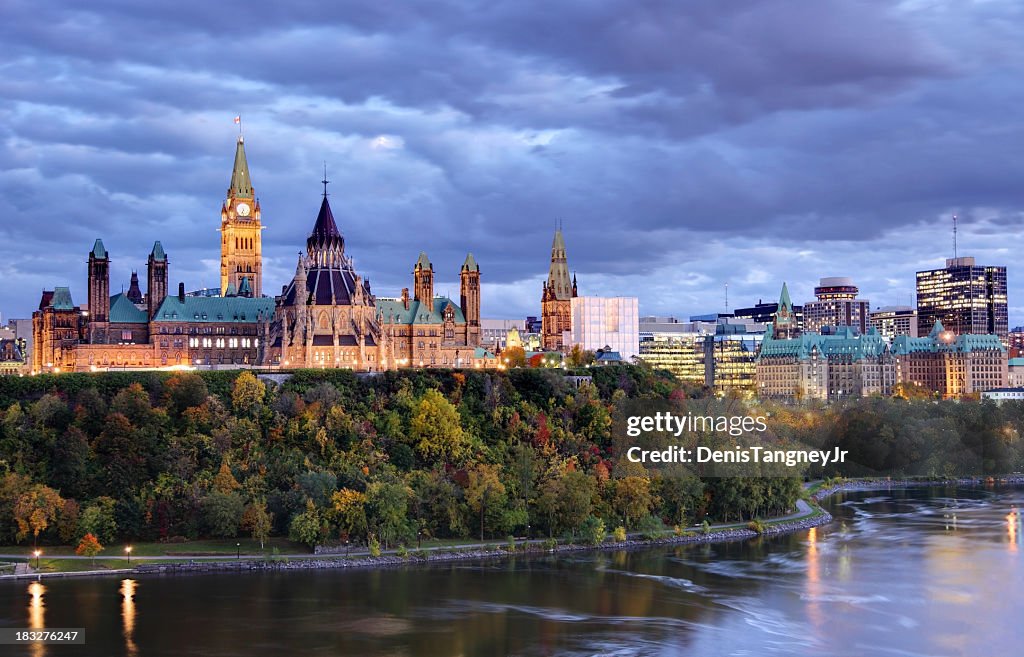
(326, 316)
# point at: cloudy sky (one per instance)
(683, 145)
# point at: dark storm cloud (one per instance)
(683, 145)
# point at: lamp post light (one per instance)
(37, 553)
(128, 552)
(346, 548)
(419, 539)
(238, 550)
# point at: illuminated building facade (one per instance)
(951, 365)
(965, 297)
(836, 304)
(609, 323)
(891, 321)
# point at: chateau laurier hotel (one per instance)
(326, 316)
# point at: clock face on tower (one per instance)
(243, 209)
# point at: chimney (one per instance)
(405, 298)
(181, 292)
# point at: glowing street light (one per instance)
(37, 553)
(128, 552)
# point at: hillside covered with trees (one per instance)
(329, 456)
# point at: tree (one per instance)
(349, 510)
(483, 489)
(258, 520)
(225, 482)
(593, 530)
(185, 391)
(633, 499)
(98, 519)
(514, 357)
(575, 500)
(436, 429)
(386, 508)
(89, 547)
(247, 394)
(222, 513)
(306, 527)
(35, 510)
(578, 356)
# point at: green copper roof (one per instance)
(98, 250)
(393, 310)
(240, 183)
(423, 261)
(1016, 362)
(470, 264)
(123, 311)
(62, 299)
(938, 341)
(240, 310)
(232, 291)
(784, 300)
(244, 289)
(158, 251)
(845, 342)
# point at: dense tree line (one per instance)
(332, 456)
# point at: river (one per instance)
(905, 572)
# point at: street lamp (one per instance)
(238, 550)
(37, 553)
(128, 553)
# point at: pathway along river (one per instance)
(935, 571)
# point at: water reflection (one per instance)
(128, 615)
(1013, 529)
(814, 587)
(36, 612)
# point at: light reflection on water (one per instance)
(36, 614)
(917, 572)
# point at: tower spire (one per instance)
(325, 180)
(241, 185)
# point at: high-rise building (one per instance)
(891, 321)
(965, 297)
(556, 298)
(241, 246)
(609, 323)
(718, 353)
(836, 304)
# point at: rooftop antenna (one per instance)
(727, 297)
(954, 237)
(325, 180)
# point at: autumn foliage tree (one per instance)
(89, 546)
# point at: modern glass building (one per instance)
(965, 297)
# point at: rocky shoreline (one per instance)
(532, 550)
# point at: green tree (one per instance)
(484, 490)
(593, 531)
(98, 519)
(386, 508)
(222, 513)
(306, 527)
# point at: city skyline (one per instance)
(677, 170)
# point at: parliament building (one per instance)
(325, 317)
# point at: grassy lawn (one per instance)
(210, 547)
